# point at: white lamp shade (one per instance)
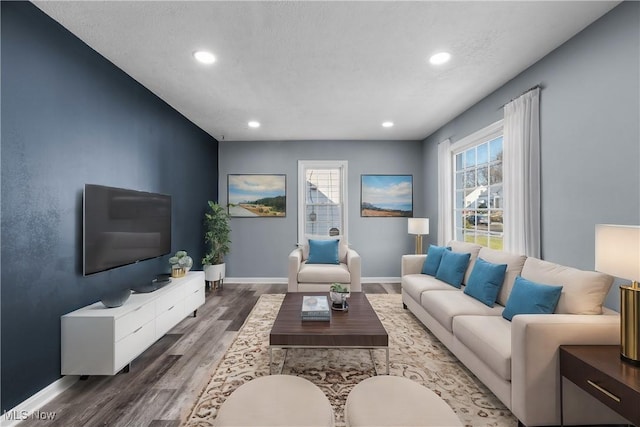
(618, 250)
(418, 226)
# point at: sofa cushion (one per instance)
(529, 297)
(432, 262)
(323, 273)
(488, 337)
(445, 305)
(583, 292)
(452, 268)
(416, 284)
(514, 263)
(485, 281)
(468, 248)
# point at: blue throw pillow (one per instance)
(485, 281)
(323, 252)
(434, 255)
(452, 267)
(529, 297)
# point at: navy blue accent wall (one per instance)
(70, 117)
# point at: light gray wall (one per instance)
(590, 137)
(260, 246)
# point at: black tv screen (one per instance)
(122, 227)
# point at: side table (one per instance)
(598, 370)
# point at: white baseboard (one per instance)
(30, 408)
(255, 280)
(380, 280)
(280, 280)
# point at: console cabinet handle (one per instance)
(136, 331)
(171, 308)
(604, 391)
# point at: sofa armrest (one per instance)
(295, 260)
(535, 366)
(355, 270)
(412, 264)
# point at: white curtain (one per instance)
(521, 174)
(445, 193)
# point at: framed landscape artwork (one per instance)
(257, 195)
(386, 196)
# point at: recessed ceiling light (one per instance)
(387, 124)
(440, 58)
(254, 124)
(204, 56)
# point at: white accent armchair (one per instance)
(304, 277)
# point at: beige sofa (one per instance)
(518, 360)
(304, 277)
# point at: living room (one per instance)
(71, 117)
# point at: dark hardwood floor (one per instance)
(165, 381)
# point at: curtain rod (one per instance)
(538, 86)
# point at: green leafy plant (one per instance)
(181, 259)
(216, 235)
(339, 287)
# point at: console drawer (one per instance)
(133, 345)
(166, 301)
(194, 284)
(133, 320)
(194, 299)
(169, 318)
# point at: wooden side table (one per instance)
(598, 370)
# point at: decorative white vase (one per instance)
(339, 297)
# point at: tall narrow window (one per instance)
(322, 199)
(478, 188)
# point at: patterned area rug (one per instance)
(414, 353)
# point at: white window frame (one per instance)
(303, 165)
(488, 133)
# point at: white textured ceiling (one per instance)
(323, 70)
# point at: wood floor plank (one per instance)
(201, 352)
(147, 408)
(188, 393)
(166, 380)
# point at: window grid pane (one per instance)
(323, 202)
(478, 216)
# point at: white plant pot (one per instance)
(215, 272)
(339, 297)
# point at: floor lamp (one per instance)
(618, 254)
(419, 227)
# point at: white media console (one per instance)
(102, 341)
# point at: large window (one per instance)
(322, 199)
(478, 189)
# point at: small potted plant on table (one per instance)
(338, 294)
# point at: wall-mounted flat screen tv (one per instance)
(122, 227)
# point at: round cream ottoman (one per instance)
(276, 400)
(396, 401)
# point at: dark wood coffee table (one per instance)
(357, 328)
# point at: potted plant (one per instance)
(181, 263)
(338, 294)
(216, 236)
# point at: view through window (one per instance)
(322, 213)
(478, 203)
